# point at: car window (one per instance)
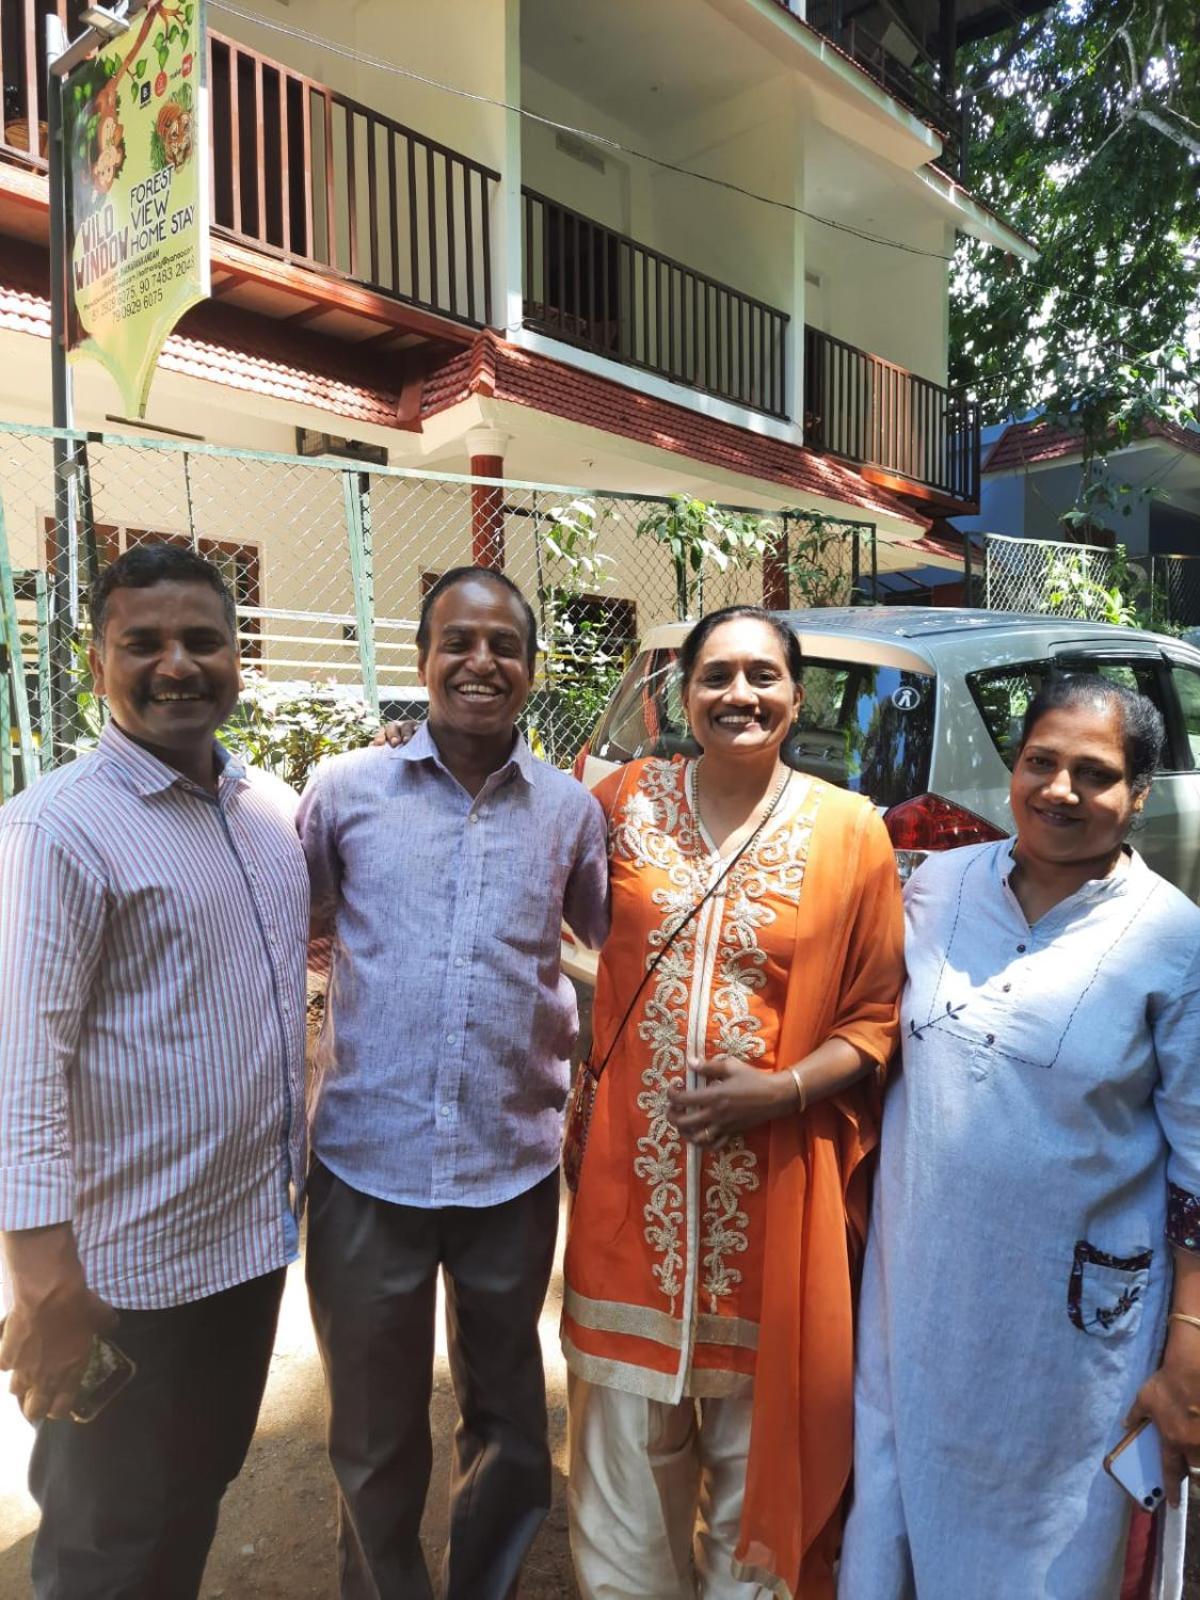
(1003, 693)
(1187, 688)
(862, 727)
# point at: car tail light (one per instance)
(581, 760)
(927, 823)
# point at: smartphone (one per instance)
(1136, 1464)
(107, 1372)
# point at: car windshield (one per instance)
(862, 727)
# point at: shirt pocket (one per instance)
(1105, 1293)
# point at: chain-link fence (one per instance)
(1036, 575)
(1091, 582)
(329, 560)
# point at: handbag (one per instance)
(582, 1100)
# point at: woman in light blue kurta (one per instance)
(1039, 1169)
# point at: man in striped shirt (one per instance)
(153, 914)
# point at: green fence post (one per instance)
(356, 488)
(15, 685)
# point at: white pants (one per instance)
(654, 1495)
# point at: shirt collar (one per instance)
(1128, 875)
(146, 774)
(421, 747)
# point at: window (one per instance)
(1003, 694)
(237, 563)
(1187, 688)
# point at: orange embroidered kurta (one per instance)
(695, 1272)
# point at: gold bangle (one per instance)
(801, 1091)
(1182, 1316)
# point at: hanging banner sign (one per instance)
(136, 147)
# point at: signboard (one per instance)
(136, 161)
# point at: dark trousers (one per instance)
(129, 1502)
(372, 1280)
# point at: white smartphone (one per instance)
(1136, 1464)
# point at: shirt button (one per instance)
(990, 1039)
(474, 816)
(459, 962)
(1007, 987)
(1020, 949)
(445, 1111)
(450, 1038)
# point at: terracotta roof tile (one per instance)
(1027, 444)
(491, 367)
(525, 378)
(247, 370)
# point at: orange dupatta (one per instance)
(845, 982)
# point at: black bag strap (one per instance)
(683, 923)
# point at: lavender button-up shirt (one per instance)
(442, 1065)
(152, 995)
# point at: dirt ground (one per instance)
(276, 1536)
(276, 1539)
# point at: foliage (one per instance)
(699, 535)
(581, 667)
(1072, 590)
(1084, 114)
(819, 560)
(286, 728)
(571, 540)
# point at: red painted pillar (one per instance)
(487, 513)
(775, 580)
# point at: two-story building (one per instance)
(641, 245)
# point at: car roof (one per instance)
(931, 629)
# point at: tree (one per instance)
(1088, 140)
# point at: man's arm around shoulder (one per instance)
(586, 904)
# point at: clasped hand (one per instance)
(732, 1098)
(46, 1348)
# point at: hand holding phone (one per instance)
(1136, 1464)
(107, 1372)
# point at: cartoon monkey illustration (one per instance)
(110, 154)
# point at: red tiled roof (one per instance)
(489, 367)
(525, 378)
(1027, 444)
(250, 370)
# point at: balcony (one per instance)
(604, 292)
(304, 173)
(881, 416)
(902, 64)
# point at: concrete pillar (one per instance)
(485, 447)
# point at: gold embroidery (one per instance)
(656, 827)
(730, 1171)
(775, 865)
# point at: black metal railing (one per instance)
(918, 86)
(593, 287)
(877, 414)
(307, 173)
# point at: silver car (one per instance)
(920, 709)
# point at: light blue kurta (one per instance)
(1018, 1272)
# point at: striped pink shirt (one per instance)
(152, 994)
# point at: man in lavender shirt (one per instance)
(443, 871)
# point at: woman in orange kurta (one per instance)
(721, 1207)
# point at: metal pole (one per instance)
(64, 593)
(356, 492)
(968, 577)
